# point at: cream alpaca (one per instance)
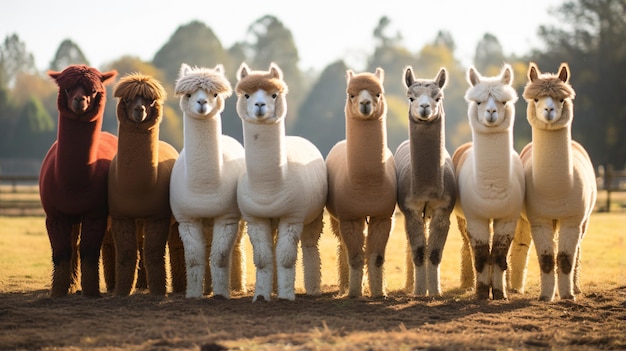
(283, 190)
(426, 182)
(560, 184)
(362, 185)
(490, 179)
(204, 185)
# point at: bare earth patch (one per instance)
(456, 321)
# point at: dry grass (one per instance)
(29, 319)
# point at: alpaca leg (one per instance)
(409, 279)
(238, 263)
(414, 225)
(286, 255)
(261, 238)
(520, 248)
(207, 233)
(140, 282)
(479, 234)
(343, 276)
(108, 260)
(543, 237)
(225, 234)
(569, 238)
(438, 235)
(60, 235)
(468, 278)
(124, 237)
(177, 259)
(92, 232)
(377, 237)
(155, 240)
(577, 289)
(503, 233)
(353, 238)
(75, 279)
(311, 256)
(195, 262)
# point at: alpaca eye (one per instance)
(351, 97)
(536, 100)
(378, 95)
(437, 99)
(247, 96)
(215, 95)
(562, 100)
(503, 102)
(188, 95)
(477, 102)
(411, 99)
(274, 96)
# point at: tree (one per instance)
(321, 117)
(14, 59)
(591, 36)
(34, 133)
(194, 44)
(489, 56)
(67, 54)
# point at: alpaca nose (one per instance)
(202, 101)
(259, 104)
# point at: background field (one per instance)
(29, 319)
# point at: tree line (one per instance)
(589, 35)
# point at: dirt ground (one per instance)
(457, 321)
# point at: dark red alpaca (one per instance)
(73, 179)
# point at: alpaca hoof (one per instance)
(545, 299)
(220, 297)
(499, 295)
(482, 291)
(261, 297)
(568, 297)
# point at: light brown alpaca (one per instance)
(139, 187)
(362, 185)
(560, 185)
(426, 182)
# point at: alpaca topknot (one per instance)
(136, 84)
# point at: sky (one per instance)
(324, 31)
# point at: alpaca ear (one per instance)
(472, 76)
(564, 72)
(275, 71)
(380, 73)
(442, 78)
(409, 78)
(219, 68)
(108, 77)
(54, 75)
(507, 75)
(184, 70)
(243, 71)
(349, 75)
(533, 72)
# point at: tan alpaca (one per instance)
(560, 184)
(362, 185)
(426, 182)
(490, 180)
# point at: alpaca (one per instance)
(73, 179)
(283, 189)
(560, 183)
(139, 179)
(203, 188)
(426, 181)
(490, 179)
(362, 185)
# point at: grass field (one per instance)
(29, 319)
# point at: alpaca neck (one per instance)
(138, 155)
(552, 160)
(77, 150)
(203, 152)
(492, 161)
(366, 143)
(427, 155)
(266, 156)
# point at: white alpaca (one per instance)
(203, 187)
(283, 190)
(560, 183)
(426, 182)
(490, 179)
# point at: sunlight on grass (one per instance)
(26, 265)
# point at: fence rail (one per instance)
(19, 195)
